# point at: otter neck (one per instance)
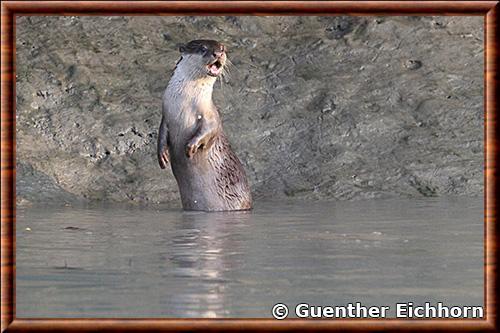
(185, 87)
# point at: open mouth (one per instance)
(214, 69)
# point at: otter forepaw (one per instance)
(163, 159)
(191, 149)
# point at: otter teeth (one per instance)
(214, 69)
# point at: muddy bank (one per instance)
(316, 107)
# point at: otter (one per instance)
(209, 174)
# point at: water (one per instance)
(115, 261)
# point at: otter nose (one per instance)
(218, 53)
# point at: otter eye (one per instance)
(203, 48)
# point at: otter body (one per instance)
(209, 174)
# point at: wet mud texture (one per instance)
(315, 107)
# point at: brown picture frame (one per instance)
(10, 9)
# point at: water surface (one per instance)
(117, 261)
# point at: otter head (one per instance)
(202, 58)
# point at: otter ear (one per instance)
(182, 48)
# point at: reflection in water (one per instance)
(197, 244)
(118, 261)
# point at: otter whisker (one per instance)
(226, 74)
(229, 65)
(226, 71)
